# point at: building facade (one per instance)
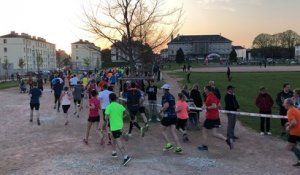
(35, 52)
(241, 52)
(85, 55)
(297, 52)
(199, 46)
(117, 55)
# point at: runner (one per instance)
(133, 97)
(57, 88)
(90, 87)
(73, 81)
(115, 112)
(182, 109)
(94, 117)
(104, 98)
(35, 95)
(65, 99)
(169, 119)
(78, 93)
(293, 127)
(212, 120)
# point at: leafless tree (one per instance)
(131, 21)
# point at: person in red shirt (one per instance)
(293, 128)
(94, 116)
(212, 120)
(182, 110)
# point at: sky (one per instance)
(60, 21)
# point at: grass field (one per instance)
(247, 85)
(8, 84)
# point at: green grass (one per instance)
(8, 84)
(247, 85)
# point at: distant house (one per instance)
(297, 51)
(84, 52)
(118, 53)
(195, 46)
(14, 47)
(164, 54)
(241, 52)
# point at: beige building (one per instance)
(85, 55)
(195, 46)
(14, 47)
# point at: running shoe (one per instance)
(297, 164)
(262, 133)
(269, 133)
(142, 131)
(150, 119)
(157, 119)
(203, 148)
(114, 155)
(147, 126)
(229, 143)
(178, 150)
(30, 120)
(126, 160)
(38, 122)
(168, 146)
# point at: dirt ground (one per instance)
(56, 149)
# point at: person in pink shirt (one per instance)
(94, 116)
(182, 110)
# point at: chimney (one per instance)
(172, 37)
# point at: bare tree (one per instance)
(87, 63)
(5, 66)
(133, 21)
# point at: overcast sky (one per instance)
(59, 21)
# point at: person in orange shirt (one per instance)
(182, 110)
(293, 128)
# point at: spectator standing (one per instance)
(281, 96)
(152, 99)
(296, 98)
(231, 104)
(264, 103)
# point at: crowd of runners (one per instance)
(99, 93)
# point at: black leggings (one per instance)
(56, 99)
(133, 113)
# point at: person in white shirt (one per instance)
(104, 98)
(73, 81)
(65, 99)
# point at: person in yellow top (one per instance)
(293, 128)
(85, 81)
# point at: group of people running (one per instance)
(174, 115)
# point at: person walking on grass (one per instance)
(94, 117)
(134, 98)
(35, 95)
(281, 96)
(212, 120)
(169, 119)
(182, 110)
(65, 99)
(293, 128)
(264, 103)
(114, 113)
(231, 104)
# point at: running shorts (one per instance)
(94, 119)
(168, 121)
(116, 134)
(211, 123)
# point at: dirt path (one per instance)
(53, 148)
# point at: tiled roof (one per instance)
(24, 35)
(199, 38)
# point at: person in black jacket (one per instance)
(231, 104)
(281, 96)
(196, 96)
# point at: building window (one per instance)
(5, 49)
(77, 57)
(76, 46)
(4, 41)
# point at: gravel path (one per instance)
(55, 149)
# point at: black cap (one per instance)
(230, 87)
